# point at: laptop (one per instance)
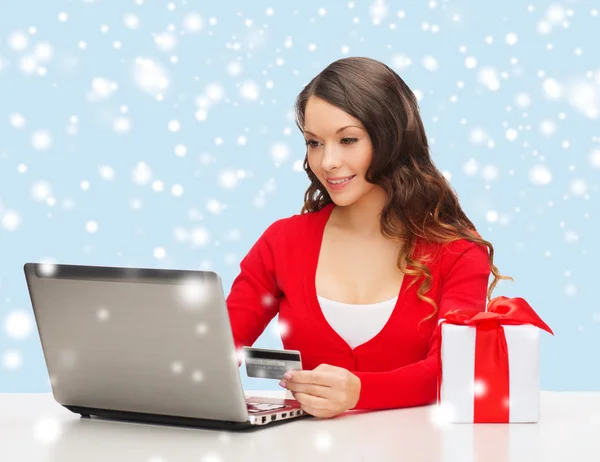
(148, 345)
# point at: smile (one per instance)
(339, 184)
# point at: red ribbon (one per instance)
(491, 353)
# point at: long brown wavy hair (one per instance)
(419, 196)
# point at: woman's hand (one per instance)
(325, 392)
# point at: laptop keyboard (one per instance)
(260, 407)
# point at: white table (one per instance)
(34, 428)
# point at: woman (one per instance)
(379, 252)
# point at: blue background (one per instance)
(542, 225)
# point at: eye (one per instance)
(343, 140)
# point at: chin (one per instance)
(343, 201)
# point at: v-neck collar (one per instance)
(324, 215)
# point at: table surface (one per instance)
(34, 428)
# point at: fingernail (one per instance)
(282, 383)
(287, 376)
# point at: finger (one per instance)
(319, 413)
(311, 389)
(317, 377)
(315, 402)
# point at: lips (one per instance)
(340, 179)
(339, 186)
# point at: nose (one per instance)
(332, 158)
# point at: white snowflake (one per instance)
(122, 125)
(142, 173)
(16, 120)
(18, 41)
(491, 216)
(249, 90)
(578, 187)
(150, 76)
(91, 226)
(584, 97)
(323, 441)
(12, 359)
(47, 430)
(552, 88)
(401, 62)
(478, 136)
(214, 206)
(215, 92)
(471, 167)
(594, 158)
(18, 324)
(174, 126)
(201, 328)
(523, 100)
(442, 414)
(511, 38)
(165, 41)
(158, 185)
(570, 289)
(228, 179)
(41, 190)
(378, 11)
(211, 457)
(177, 367)
(11, 220)
(430, 63)
(193, 23)
(281, 329)
(102, 89)
(131, 21)
(41, 140)
(177, 190)
(539, 175)
(511, 134)
(103, 314)
(298, 166)
(106, 172)
(547, 127)
(280, 152)
(200, 236)
(235, 68)
(489, 173)
(43, 51)
(488, 76)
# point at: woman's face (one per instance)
(336, 153)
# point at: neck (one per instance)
(362, 217)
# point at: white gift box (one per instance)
(458, 386)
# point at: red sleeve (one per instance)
(464, 286)
(253, 300)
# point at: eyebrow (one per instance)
(338, 130)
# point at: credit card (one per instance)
(270, 364)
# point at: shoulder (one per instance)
(465, 254)
(297, 224)
(448, 254)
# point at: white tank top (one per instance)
(357, 324)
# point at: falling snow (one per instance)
(154, 134)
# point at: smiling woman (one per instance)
(379, 252)
(349, 143)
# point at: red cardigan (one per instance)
(397, 367)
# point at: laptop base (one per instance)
(141, 417)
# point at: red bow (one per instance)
(491, 352)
